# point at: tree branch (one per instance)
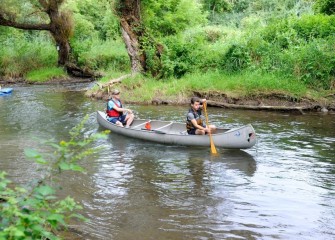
(113, 81)
(25, 26)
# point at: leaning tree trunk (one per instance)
(132, 30)
(137, 58)
(61, 27)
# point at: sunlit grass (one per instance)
(245, 83)
(146, 89)
(45, 74)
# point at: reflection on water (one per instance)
(283, 188)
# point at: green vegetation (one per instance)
(21, 53)
(243, 47)
(242, 84)
(45, 74)
(34, 212)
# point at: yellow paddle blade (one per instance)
(213, 149)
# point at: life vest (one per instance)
(112, 112)
(197, 117)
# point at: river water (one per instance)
(283, 188)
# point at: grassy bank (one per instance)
(240, 85)
(45, 74)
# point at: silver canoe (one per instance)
(167, 132)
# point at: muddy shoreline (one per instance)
(265, 102)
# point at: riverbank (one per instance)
(247, 91)
(269, 102)
(236, 95)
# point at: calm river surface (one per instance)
(283, 188)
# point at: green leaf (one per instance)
(49, 235)
(55, 146)
(75, 167)
(81, 143)
(45, 190)
(41, 161)
(18, 233)
(100, 136)
(55, 219)
(64, 166)
(33, 154)
(37, 228)
(80, 217)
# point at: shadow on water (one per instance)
(233, 159)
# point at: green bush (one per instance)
(166, 18)
(324, 6)
(176, 58)
(236, 58)
(294, 30)
(317, 26)
(313, 63)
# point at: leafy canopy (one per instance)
(168, 17)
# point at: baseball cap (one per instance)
(115, 92)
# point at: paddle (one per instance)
(153, 130)
(213, 149)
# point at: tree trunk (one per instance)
(130, 39)
(60, 29)
(130, 21)
(63, 48)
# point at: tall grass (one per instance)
(45, 74)
(25, 52)
(105, 55)
(21, 56)
(242, 84)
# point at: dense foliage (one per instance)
(325, 6)
(291, 38)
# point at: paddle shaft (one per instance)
(213, 149)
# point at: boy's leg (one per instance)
(129, 119)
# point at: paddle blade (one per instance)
(213, 148)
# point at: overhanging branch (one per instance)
(24, 26)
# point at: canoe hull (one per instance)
(174, 133)
(5, 91)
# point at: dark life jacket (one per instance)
(197, 117)
(112, 112)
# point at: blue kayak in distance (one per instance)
(5, 91)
